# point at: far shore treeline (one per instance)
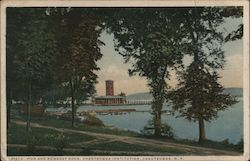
(52, 54)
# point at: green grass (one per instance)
(38, 152)
(112, 146)
(17, 134)
(206, 144)
(49, 121)
(121, 146)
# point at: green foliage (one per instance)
(122, 94)
(234, 12)
(160, 45)
(59, 141)
(78, 46)
(30, 50)
(52, 48)
(122, 146)
(31, 142)
(151, 40)
(93, 121)
(18, 135)
(35, 46)
(199, 96)
(240, 145)
(166, 131)
(61, 46)
(56, 93)
(50, 121)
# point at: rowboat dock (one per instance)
(106, 112)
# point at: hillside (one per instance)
(238, 92)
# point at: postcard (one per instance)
(124, 80)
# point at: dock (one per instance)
(106, 112)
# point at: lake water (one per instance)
(229, 123)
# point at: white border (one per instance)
(3, 84)
(246, 85)
(120, 3)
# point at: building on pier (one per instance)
(109, 99)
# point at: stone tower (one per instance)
(109, 88)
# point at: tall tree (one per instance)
(31, 53)
(157, 39)
(149, 38)
(12, 30)
(78, 45)
(199, 96)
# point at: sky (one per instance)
(112, 66)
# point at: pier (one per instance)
(138, 102)
(106, 112)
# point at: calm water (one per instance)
(229, 124)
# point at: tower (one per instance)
(109, 88)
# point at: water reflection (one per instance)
(229, 124)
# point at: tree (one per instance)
(122, 94)
(150, 38)
(157, 39)
(56, 46)
(31, 53)
(78, 45)
(234, 12)
(13, 23)
(199, 96)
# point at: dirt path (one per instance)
(187, 149)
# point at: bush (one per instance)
(166, 131)
(58, 141)
(93, 121)
(240, 145)
(226, 141)
(31, 142)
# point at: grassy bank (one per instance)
(52, 121)
(223, 145)
(17, 134)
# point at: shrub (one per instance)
(240, 145)
(226, 141)
(31, 142)
(93, 121)
(166, 130)
(59, 141)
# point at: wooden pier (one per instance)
(106, 112)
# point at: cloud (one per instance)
(112, 72)
(232, 75)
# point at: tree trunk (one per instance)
(9, 104)
(29, 108)
(202, 135)
(158, 95)
(72, 105)
(157, 107)
(157, 123)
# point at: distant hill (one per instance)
(238, 92)
(140, 96)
